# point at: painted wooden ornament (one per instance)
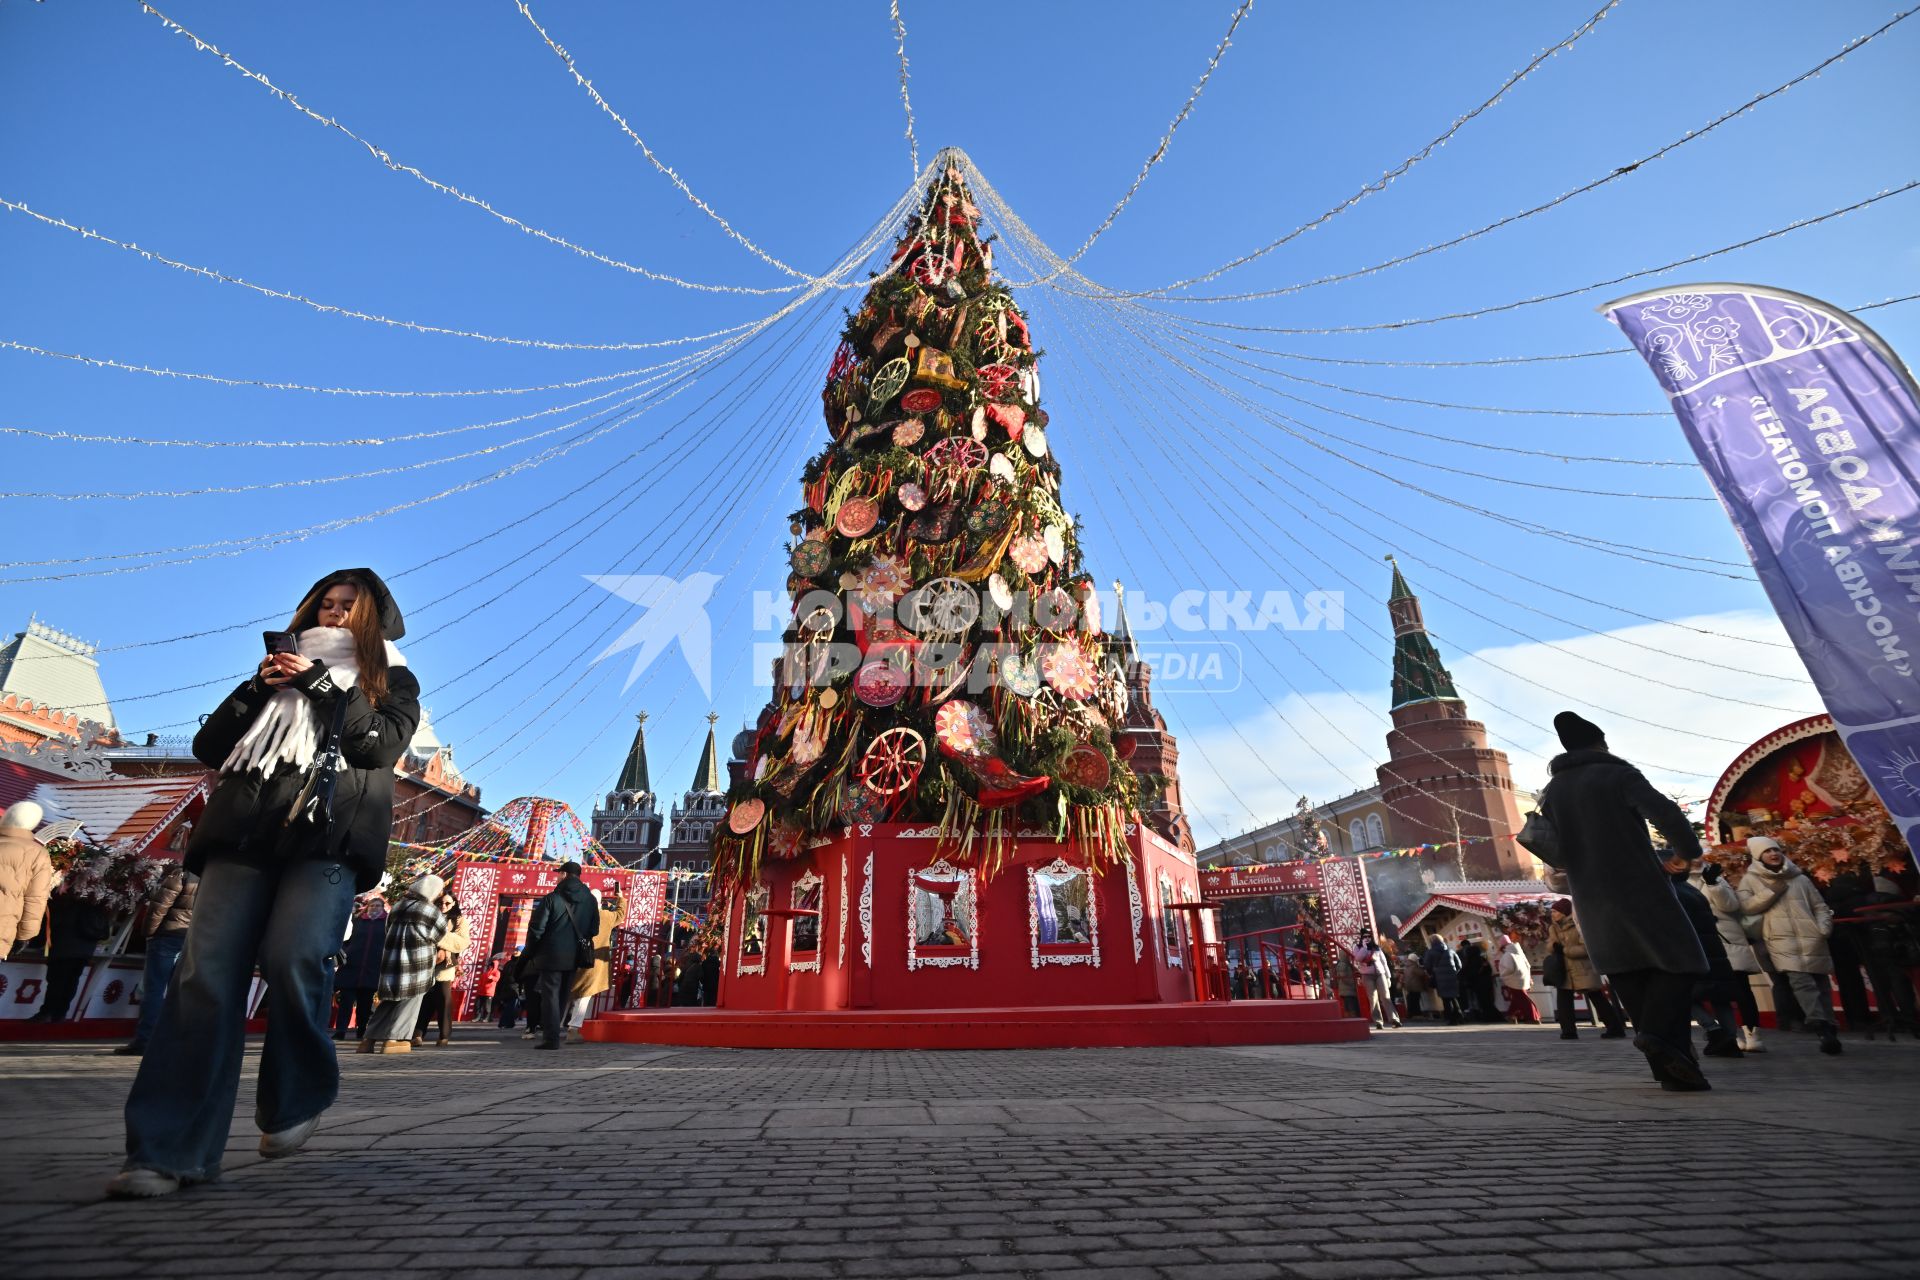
(979, 423)
(856, 517)
(879, 683)
(908, 432)
(963, 729)
(892, 762)
(746, 815)
(1001, 593)
(1065, 668)
(1087, 767)
(920, 400)
(1035, 439)
(1056, 539)
(1000, 467)
(911, 496)
(1028, 553)
(810, 559)
(1020, 674)
(996, 379)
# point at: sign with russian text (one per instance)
(1808, 426)
(1260, 880)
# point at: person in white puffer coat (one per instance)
(1745, 961)
(1794, 923)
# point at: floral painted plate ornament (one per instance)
(887, 381)
(921, 400)
(861, 805)
(990, 515)
(1124, 745)
(1087, 767)
(1066, 670)
(1056, 540)
(856, 517)
(1000, 467)
(809, 744)
(1002, 593)
(745, 816)
(912, 496)
(908, 432)
(810, 559)
(963, 729)
(879, 683)
(1020, 674)
(1028, 553)
(1035, 439)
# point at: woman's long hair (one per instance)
(363, 621)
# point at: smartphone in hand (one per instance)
(279, 641)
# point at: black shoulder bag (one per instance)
(311, 814)
(584, 955)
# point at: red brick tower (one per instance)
(1154, 751)
(1441, 780)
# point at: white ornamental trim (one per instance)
(1061, 867)
(758, 966)
(795, 892)
(944, 870)
(1134, 906)
(843, 909)
(866, 913)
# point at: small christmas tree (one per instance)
(944, 661)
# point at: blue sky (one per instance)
(789, 123)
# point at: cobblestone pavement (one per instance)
(1479, 1152)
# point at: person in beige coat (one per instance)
(1721, 895)
(26, 875)
(588, 983)
(1794, 923)
(1564, 936)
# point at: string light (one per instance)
(102, 362)
(900, 34)
(1620, 171)
(1800, 225)
(209, 273)
(1159, 152)
(1020, 231)
(81, 437)
(1399, 170)
(385, 158)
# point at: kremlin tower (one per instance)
(1442, 780)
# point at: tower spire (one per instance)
(706, 776)
(1417, 672)
(633, 775)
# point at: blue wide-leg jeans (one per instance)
(289, 918)
(163, 953)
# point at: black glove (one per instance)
(1711, 873)
(316, 682)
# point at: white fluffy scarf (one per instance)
(287, 731)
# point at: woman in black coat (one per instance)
(277, 881)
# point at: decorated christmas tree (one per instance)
(944, 661)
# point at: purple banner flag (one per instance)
(1808, 426)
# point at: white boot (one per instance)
(1750, 1040)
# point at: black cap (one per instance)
(1577, 733)
(392, 625)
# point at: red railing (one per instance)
(1296, 973)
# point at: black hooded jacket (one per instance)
(245, 815)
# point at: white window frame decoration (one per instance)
(750, 966)
(965, 894)
(1061, 868)
(810, 881)
(1170, 949)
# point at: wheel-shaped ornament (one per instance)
(893, 761)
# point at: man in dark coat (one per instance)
(710, 979)
(561, 922)
(80, 925)
(358, 977)
(1636, 931)
(1713, 995)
